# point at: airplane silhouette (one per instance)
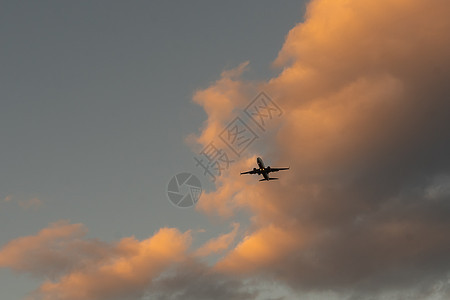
(263, 170)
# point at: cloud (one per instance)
(24, 201)
(160, 267)
(257, 250)
(364, 208)
(83, 268)
(53, 250)
(219, 101)
(438, 188)
(32, 203)
(218, 244)
(192, 280)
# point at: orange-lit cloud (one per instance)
(32, 203)
(218, 244)
(125, 275)
(36, 254)
(364, 87)
(25, 202)
(220, 100)
(90, 269)
(257, 250)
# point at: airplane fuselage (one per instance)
(262, 168)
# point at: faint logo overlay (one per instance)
(237, 136)
(184, 190)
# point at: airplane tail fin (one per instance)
(273, 178)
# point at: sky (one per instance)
(103, 103)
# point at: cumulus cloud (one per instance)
(160, 267)
(219, 101)
(364, 87)
(54, 249)
(81, 268)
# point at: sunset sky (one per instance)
(102, 103)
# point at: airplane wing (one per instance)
(277, 169)
(250, 172)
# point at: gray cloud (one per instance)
(193, 280)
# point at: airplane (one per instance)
(263, 170)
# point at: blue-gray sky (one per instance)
(96, 102)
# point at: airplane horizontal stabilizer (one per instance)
(268, 179)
